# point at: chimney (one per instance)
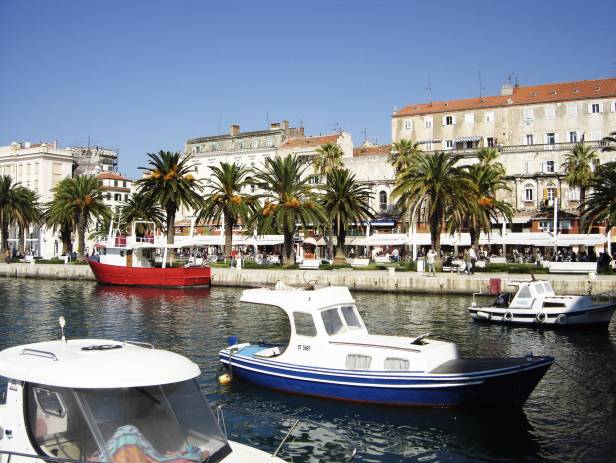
(235, 130)
(285, 125)
(274, 125)
(27, 144)
(301, 130)
(506, 90)
(55, 143)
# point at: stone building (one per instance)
(92, 160)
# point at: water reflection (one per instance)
(571, 415)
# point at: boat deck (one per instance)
(459, 366)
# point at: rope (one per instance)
(572, 375)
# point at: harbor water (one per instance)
(571, 415)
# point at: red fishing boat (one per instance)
(139, 261)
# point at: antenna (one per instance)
(219, 123)
(481, 88)
(365, 134)
(429, 90)
(267, 117)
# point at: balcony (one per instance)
(598, 145)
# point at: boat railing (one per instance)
(140, 344)
(604, 297)
(303, 426)
(40, 353)
(50, 459)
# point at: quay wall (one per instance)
(360, 280)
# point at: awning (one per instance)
(463, 139)
(425, 142)
(311, 241)
(386, 239)
(529, 239)
(382, 223)
(573, 239)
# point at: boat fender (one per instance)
(225, 379)
(485, 315)
(561, 319)
(508, 316)
(541, 317)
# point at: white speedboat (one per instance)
(107, 401)
(535, 304)
(331, 354)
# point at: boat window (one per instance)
(49, 402)
(154, 424)
(396, 364)
(304, 324)
(539, 289)
(548, 287)
(358, 362)
(350, 317)
(332, 322)
(524, 292)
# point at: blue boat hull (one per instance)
(508, 386)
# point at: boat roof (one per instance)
(94, 363)
(524, 282)
(298, 298)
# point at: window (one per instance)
(529, 139)
(550, 138)
(613, 106)
(526, 167)
(117, 197)
(448, 120)
(348, 312)
(573, 137)
(529, 114)
(490, 141)
(572, 109)
(214, 146)
(383, 200)
(304, 324)
(595, 108)
(550, 112)
(428, 122)
(126, 197)
(108, 196)
(489, 116)
(550, 193)
(396, 364)
(331, 321)
(408, 124)
(115, 183)
(469, 118)
(255, 143)
(549, 166)
(124, 184)
(529, 193)
(358, 362)
(524, 293)
(595, 135)
(269, 142)
(469, 145)
(449, 144)
(429, 146)
(574, 194)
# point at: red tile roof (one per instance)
(546, 93)
(377, 150)
(306, 142)
(111, 176)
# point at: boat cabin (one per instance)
(105, 401)
(538, 295)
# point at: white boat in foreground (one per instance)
(535, 304)
(107, 401)
(331, 354)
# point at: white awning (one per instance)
(386, 239)
(592, 239)
(470, 138)
(529, 239)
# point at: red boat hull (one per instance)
(137, 276)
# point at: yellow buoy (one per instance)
(225, 379)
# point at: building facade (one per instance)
(93, 160)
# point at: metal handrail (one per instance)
(40, 353)
(50, 459)
(140, 344)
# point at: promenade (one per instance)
(360, 280)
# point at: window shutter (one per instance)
(600, 107)
(614, 106)
(453, 120)
(545, 193)
(589, 108)
(444, 120)
(555, 137)
(543, 166)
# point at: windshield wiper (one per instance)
(147, 394)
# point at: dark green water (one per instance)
(571, 415)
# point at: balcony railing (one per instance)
(598, 144)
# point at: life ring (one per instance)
(561, 319)
(508, 316)
(541, 317)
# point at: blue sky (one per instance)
(146, 75)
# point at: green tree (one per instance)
(488, 156)
(578, 165)
(82, 198)
(443, 189)
(610, 141)
(290, 200)
(57, 216)
(345, 200)
(483, 207)
(169, 182)
(327, 160)
(599, 206)
(27, 212)
(136, 208)
(403, 154)
(227, 199)
(18, 204)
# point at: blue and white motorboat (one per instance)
(330, 354)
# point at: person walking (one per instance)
(430, 257)
(468, 262)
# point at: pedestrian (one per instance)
(468, 263)
(430, 257)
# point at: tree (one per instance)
(227, 200)
(600, 205)
(345, 201)
(610, 141)
(82, 198)
(328, 159)
(18, 204)
(403, 154)
(26, 212)
(442, 188)
(56, 216)
(488, 156)
(169, 183)
(578, 165)
(290, 201)
(483, 207)
(137, 208)
(7, 203)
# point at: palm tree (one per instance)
(488, 157)
(610, 141)
(8, 203)
(226, 199)
(82, 198)
(345, 201)
(578, 167)
(600, 205)
(482, 209)
(169, 183)
(405, 151)
(56, 216)
(440, 186)
(26, 212)
(328, 159)
(290, 200)
(136, 208)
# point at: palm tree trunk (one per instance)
(582, 248)
(473, 234)
(341, 236)
(171, 232)
(287, 254)
(330, 241)
(81, 234)
(228, 236)
(435, 236)
(5, 233)
(21, 244)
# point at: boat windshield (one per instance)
(171, 423)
